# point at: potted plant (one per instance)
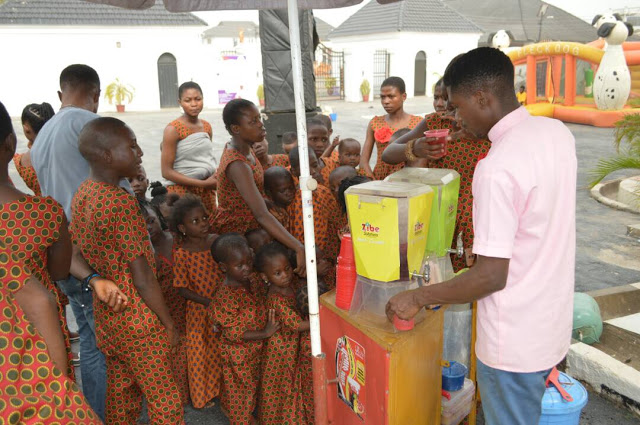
(260, 94)
(330, 85)
(365, 90)
(119, 92)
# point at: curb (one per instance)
(607, 376)
(599, 190)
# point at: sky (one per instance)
(585, 9)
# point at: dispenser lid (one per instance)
(389, 189)
(430, 176)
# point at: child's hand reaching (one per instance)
(336, 142)
(272, 325)
(174, 339)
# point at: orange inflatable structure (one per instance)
(569, 110)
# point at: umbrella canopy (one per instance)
(202, 5)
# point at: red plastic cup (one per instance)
(346, 249)
(345, 285)
(441, 138)
(403, 325)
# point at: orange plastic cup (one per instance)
(441, 138)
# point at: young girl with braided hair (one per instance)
(34, 117)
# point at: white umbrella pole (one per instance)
(307, 184)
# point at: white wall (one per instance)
(403, 47)
(34, 57)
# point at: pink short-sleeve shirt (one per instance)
(524, 197)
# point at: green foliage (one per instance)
(119, 92)
(634, 103)
(260, 92)
(330, 83)
(627, 142)
(365, 88)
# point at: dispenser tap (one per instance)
(425, 275)
(459, 251)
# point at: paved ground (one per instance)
(605, 255)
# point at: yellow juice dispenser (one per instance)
(383, 376)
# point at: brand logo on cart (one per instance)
(370, 230)
(418, 227)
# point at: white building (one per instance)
(411, 39)
(152, 50)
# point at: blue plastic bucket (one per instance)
(555, 410)
(333, 117)
(453, 376)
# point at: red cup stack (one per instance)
(345, 273)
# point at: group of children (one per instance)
(215, 307)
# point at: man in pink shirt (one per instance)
(524, 222)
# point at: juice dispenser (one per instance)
(437, 267)
(445, 184)
(384, 376)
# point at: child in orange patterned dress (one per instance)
(380, 128)
(257, 238)
(318, 141)
(162, 241)
(280, 190)
(239, 312)
(281, 350)
(34, 117)
(189, 158)
(108, 227)
(139, 184)
(197, 278)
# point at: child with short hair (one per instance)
(257, 238)
(325, 210)
(392, 96)
(349, 152)
(261, 150)
(110, 231)
(162, 242)
(239, 312)
(339, 174)
(139, 184)
(280, 189)
(197, 277)
(34, 117)
(281, 350)
(318, 140)
(289, 142)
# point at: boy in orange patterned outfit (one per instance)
(110, 230)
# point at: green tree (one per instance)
(627, 142)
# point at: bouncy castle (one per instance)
(605, 71)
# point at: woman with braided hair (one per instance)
(34, 117)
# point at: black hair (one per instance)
(160, 194)
(294, 157)
(225, 245)
(274, 174)
(316, 122)
(79, 76)
(146, 205)
(270, 250)
(232, 111)
(481, 68)
(289, 137)
(399, 133)
(326, 120)
(439, 83)
(36, 115)
(181, 208)
(186, 86)
(6, 127)
(396, 82)
(348, 140)
(99, 135)
(346, 184)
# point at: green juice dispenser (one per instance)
(445, 184)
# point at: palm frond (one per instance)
(610, 165)
(628, 132)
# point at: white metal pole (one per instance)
(307, 184)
